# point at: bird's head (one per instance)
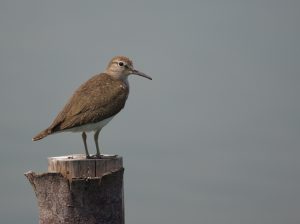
(121, 67)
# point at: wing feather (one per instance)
(97, 99)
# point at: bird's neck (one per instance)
(120, 77)
(125, 81)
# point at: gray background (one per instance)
(214, 138)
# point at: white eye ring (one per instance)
(121, 63)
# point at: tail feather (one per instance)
(41, 135)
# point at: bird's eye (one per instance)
(121, 63)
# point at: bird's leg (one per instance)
(96, 135)
(85, 145)
(98, 155)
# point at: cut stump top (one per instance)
(77, 166)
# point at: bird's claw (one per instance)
(88, 157)
(97, 156)
(93, 156)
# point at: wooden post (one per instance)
(77, 190)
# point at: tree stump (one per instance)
(77, 190)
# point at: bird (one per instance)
(94, 104)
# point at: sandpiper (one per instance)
(95, 102)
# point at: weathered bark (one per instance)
(96, 196)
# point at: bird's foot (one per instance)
(101, 156)
(89, 157)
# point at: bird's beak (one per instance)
(136, 72)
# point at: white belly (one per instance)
(92, 126)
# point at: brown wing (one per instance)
(97, 99)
